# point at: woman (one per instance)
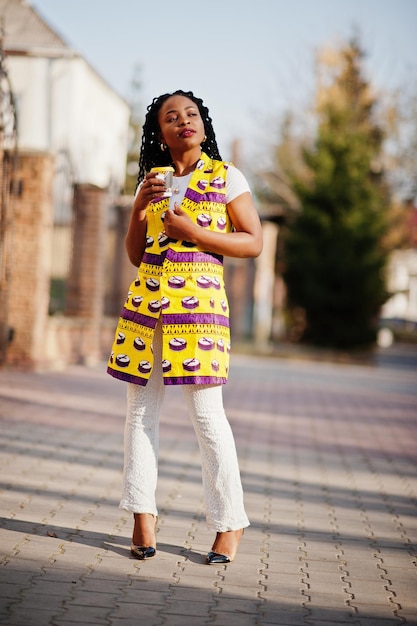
(174, 327)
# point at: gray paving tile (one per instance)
(329, 471)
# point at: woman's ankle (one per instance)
(227, 542)
(144, 529)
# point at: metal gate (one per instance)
(8, 162)
(63, 191)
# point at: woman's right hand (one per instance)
(150, 189)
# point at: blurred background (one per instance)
(316, 102)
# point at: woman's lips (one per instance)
(187, 132)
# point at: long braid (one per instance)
(151, 154)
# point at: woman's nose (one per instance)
(184, 122)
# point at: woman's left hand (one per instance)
(178, 225)
(245, 241)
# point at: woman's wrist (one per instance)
(139, 211)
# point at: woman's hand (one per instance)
(150, 189)
(245, 241)
(178, 225)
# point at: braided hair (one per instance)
(151, 154)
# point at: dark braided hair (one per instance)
(151, 154)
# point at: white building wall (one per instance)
(64, 105)
(402, 283)
(28, 78)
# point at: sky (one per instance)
(250, 60)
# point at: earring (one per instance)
(163, 146)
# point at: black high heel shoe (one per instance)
(143, 552)
(216, 558)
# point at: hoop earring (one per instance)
(163, 146)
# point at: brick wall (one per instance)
(82, 335)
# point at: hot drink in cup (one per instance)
(166, 174)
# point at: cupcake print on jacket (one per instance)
(181, 287)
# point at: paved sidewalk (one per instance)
(328, 456)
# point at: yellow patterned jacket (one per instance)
(181, 285)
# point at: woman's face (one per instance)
(180, 123)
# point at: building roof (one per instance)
(25, 31)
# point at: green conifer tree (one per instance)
(334, 257)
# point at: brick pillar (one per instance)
(31, 259)
(85, 294)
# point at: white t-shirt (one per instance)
(236, 184)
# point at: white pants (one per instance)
(220, 468)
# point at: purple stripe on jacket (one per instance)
(195, 318)
(209, 196)
(153, 259)
(128, 378)
(194, 257)
(139, 318)
(195, 380)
